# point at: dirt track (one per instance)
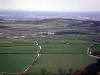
(36, 59)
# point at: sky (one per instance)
(51, 5)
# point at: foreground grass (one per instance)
(15, 62)
(53, 62)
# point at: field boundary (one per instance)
(5, 73)
(36, 59)
(17, 53)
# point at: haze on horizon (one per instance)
(51, 5)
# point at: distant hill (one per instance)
(34, 14)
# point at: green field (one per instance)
(17, 46)
(58, 51)
(16, 54)
(12, 63)
(54, 62)
(64, 51)
(64, 44)
(61, 47)
(67, 51)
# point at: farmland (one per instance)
(16, 54)
(55, 47)
(59, 45)
(15, 63)
(8, 46)
(54, 62)
(66, 50)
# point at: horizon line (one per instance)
(54, 11)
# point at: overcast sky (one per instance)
(51, 5)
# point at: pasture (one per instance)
(53, 62)
(15, 63)
(16, 54)
(65, 52)
(64, 44)
(13, 46)
(58, 51)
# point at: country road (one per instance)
(36, 59)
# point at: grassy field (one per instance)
(17, 46)
(16, 54)
(64, 52)
(67, 46)
(58, 51)
(15, 62)
(54, 62)
(64, 44)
